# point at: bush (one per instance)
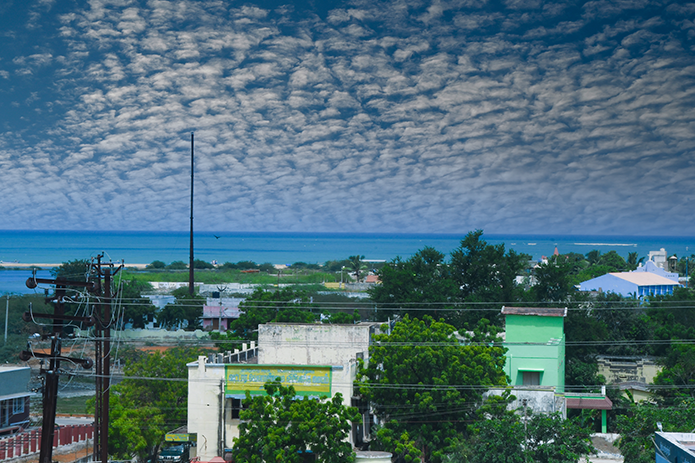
(157, 265)
(201, 264)
(177, 265)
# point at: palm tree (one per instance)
(356, 265)
(632, 260)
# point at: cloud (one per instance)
(398, 116)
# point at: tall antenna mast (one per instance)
(190, 263)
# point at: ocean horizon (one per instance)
(143, 247)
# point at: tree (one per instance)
(484, 272)
(544, 439)
(677, 378)
(637, 426)
(149, 402)
(186, 311)
(201, 264)
(138, 310)
(553, 281)
(418, 383)
(613, 260)
(177, 265)
(356, 265)
(424, 278)
(632, 260)
(285, 305)
(278, 427)
(156, 265)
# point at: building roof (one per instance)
(644, 278)
(589, 403)
(539, 311)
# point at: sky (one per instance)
(515, 117)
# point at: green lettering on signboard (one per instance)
(312, 381)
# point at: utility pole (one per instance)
(103, 272)
(190, 260)
(51, 375)
(98, 284)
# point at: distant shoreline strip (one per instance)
(605, 244)
(26, 266)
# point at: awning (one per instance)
(589, 403)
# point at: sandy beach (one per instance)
(23, 265)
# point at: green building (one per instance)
(535, 339)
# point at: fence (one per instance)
(29, 441)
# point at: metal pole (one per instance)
(7, 311)
(190, 264)
(106, 370)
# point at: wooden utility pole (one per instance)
(103, 273)
(51, 375)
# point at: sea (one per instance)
(143, 247)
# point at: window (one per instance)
(532, 378)
(18, 405)
(236, 408)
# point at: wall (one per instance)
(624, 369)
(609, 284)
(545, 351)
(205, 392)
(14, 380)
(211, 408)
(539, 400)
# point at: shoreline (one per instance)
(28, 266)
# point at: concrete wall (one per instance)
(623, 369)
(317, 344)
(210, 412)
(538, 400)
(535, 343)
(14, 380)
(205, 402)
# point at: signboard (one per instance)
(311, 381)
(180, 437)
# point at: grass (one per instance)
(233, 276)
(73, 405)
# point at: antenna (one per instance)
(190, 263)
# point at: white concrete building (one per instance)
(317, 359)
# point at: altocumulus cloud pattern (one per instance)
(394, 116)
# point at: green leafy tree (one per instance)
(677, 378)
(227, 341)
(423, 278)
(553, 281)
(545, 439)
(149, 402)
(356, 265)
(202, 265)
(138, 310)
(485, 273)
(177, 265)
(613, 260)
(279, 427)
(156, 265)
(342, 318)
(285, 305)
(638, 425)
(672, 317)
(186, 311)
(633, 260)
(78, 271)
(416, 382)
(593, 256)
